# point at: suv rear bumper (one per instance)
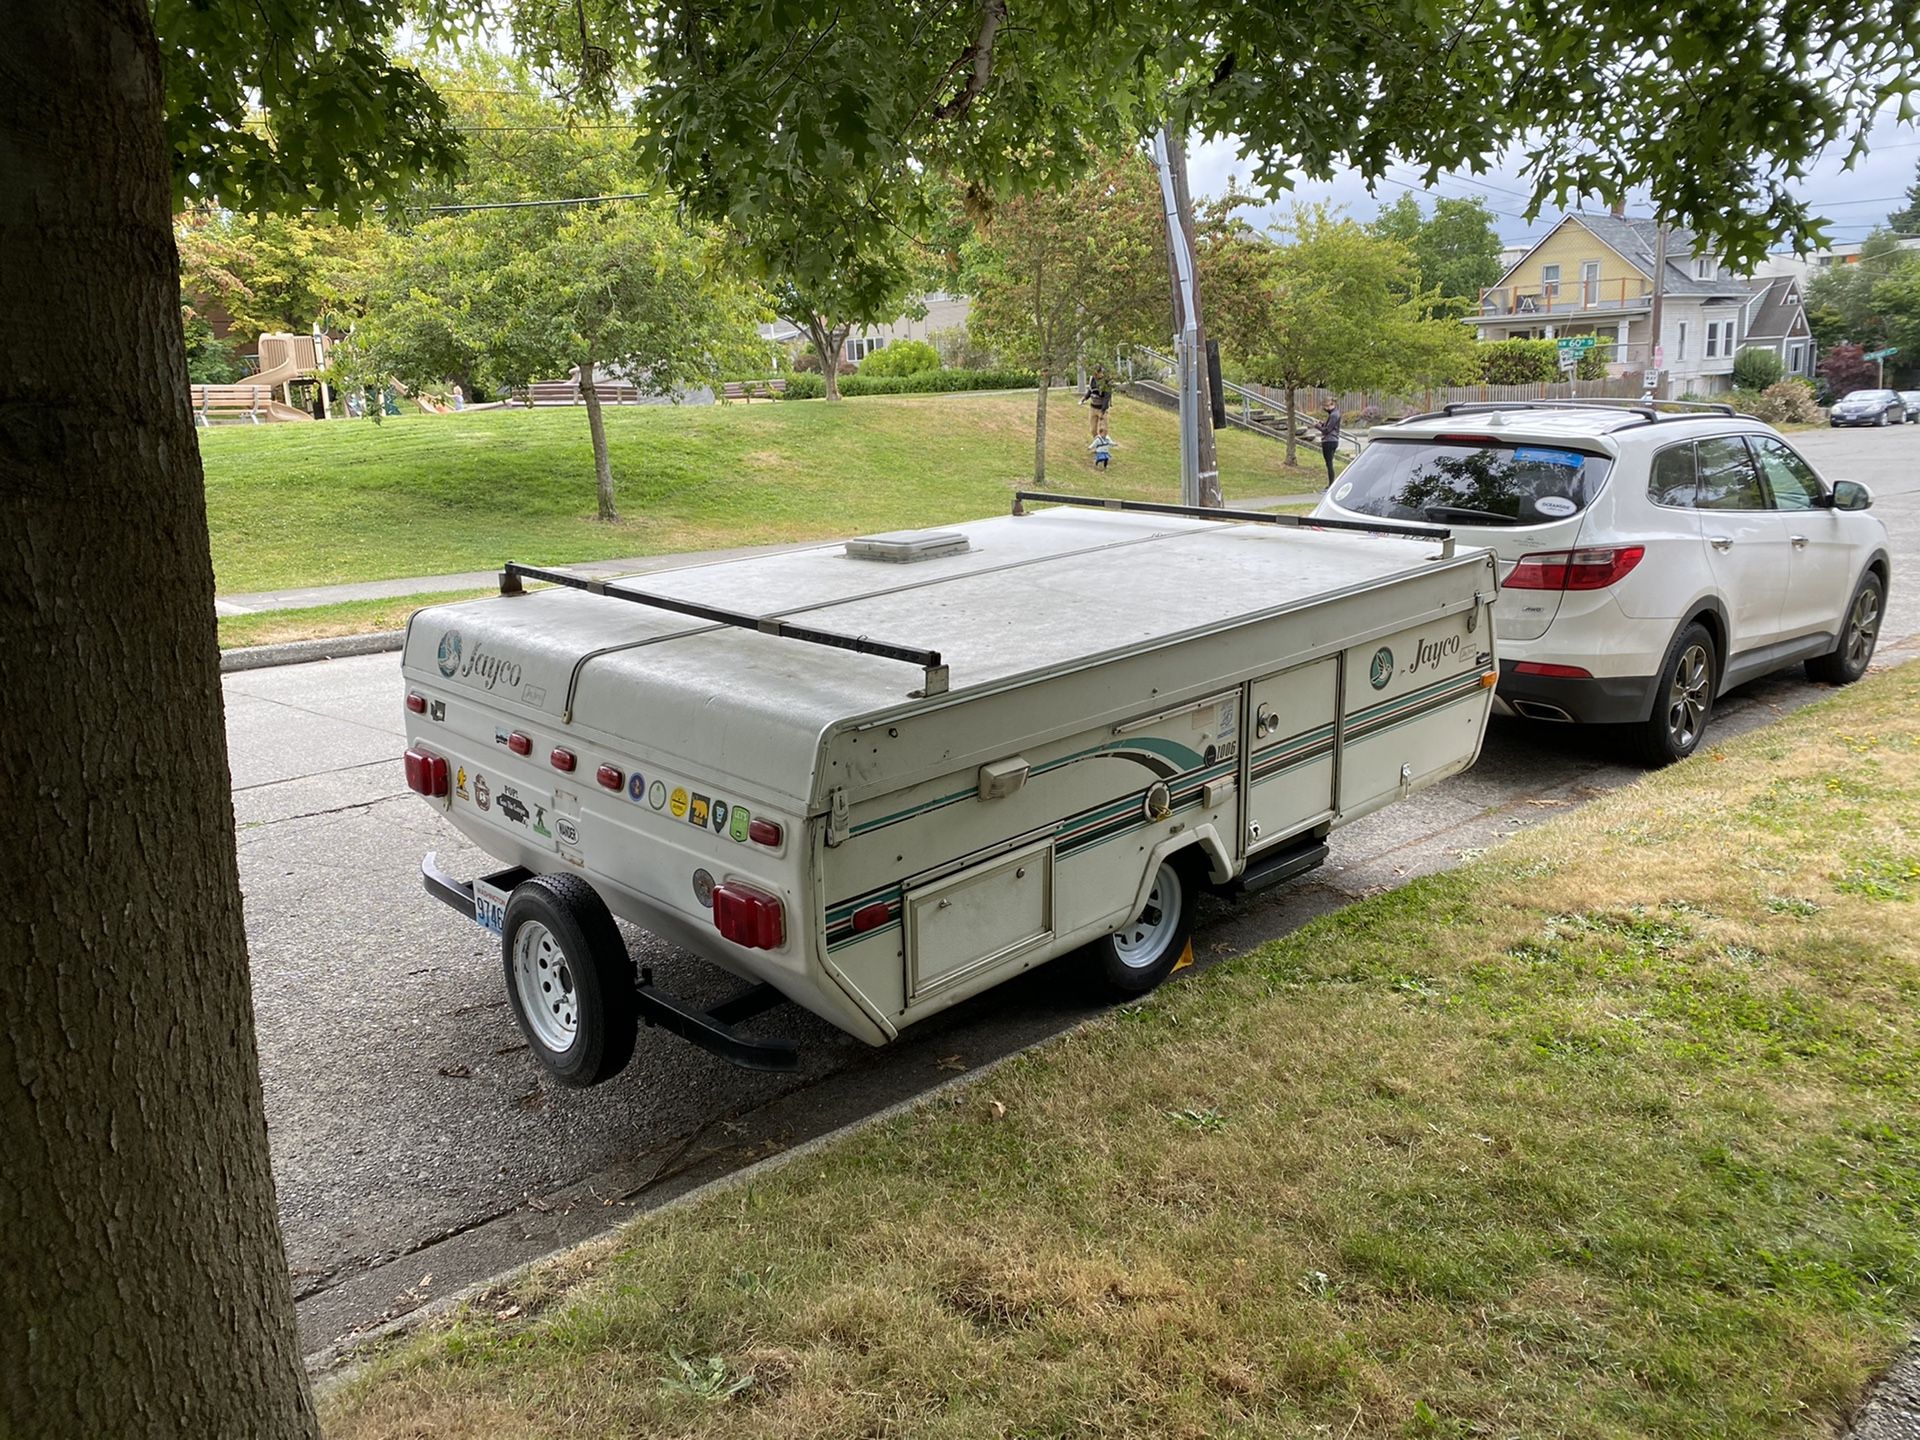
(1596, 700)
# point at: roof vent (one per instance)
(904, 547)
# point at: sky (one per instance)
(1853, 201)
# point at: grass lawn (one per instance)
(431, 494)
(1613, 1131)
(324, 622)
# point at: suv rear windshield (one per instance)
(1470, 480)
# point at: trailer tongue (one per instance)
(880, 777)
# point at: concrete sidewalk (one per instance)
(310, 596)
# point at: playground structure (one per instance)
(284, 360)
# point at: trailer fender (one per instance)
(1204, 838)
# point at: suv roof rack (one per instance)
(1645, 409)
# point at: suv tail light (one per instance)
(749, 917)
(426, 773)
(1593, 569)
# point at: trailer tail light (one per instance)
(416, 702)
(610, 776)
(562, 759)
(749, 917)
(765, 832)
(1556, 672)
(427, 773)
(1592, 569)
(519, 743)
(870, 917)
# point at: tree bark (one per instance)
(597, 427)
(1292, 447)
(1040, 431)
(141, 1269)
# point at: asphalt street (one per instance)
(418, 1147)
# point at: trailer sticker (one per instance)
(741, 817)
(512, 808)
(568, 829)
(657, 794)
(679, 803)
(480, 792)
(449, 656)
(697, 813)
(636, 787)
(540, 822)
(719, 817)
(460, 782)
(1381, 670)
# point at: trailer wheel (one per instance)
(569, 979)
(1142, 953)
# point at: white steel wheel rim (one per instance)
(1863, 627)
(1687, 697)
(543, 979)
(1144, 943)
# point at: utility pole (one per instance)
(1199, 465)
(1657, 352)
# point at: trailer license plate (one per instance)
(489, 907)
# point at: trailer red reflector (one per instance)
(610, 776)
(416, 702)
(1557, 672)
(520, 744)
(562, 759)
(749, 917)
(870, 917)
(765, 832)
(426, 773)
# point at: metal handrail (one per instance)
(929, 660)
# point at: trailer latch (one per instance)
(838, 821)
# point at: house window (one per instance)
(858, 350)
(1794, 355)
(1590, 281)
(1713, 338)
(1680, 349)
(1705, 267)
(1550, 280)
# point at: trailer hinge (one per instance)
(838, 825)
(1480, 600)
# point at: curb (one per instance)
(300, 652)
(336, 1364)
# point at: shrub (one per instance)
(903, 357)
(1520, 362)
(1594, 364)
(959, 350)
(807, 360)
(1789, 402)
(1756, 369)
(938, 382)
(805, 385)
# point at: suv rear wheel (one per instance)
(1682, 700)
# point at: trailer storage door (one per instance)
(1290, 765)
(1414, 708)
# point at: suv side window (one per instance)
(1673, 481)
(1791, 479)
(1729, 480)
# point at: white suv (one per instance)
(1650, 561)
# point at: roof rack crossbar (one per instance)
(513, 572)
(1646, 409)
(1236, 517)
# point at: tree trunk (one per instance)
(145, 1285)
(1040, 431)
(1292, 447)
(597, 427)
(826, 341)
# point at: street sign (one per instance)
(1650, 379)
(1885, 354)
(1574, 344)
(1659, 357)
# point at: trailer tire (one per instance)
(569, 979)
(1142, 953)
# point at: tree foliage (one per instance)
(1906, 220)
(901, 357)
(1756, 369)
(1874, 301)
(1845, 368)
(268, 272)
(1456, 248)
(1519, 362)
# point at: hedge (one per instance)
(935, 382)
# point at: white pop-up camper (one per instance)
(878, 777)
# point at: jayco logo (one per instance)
(1381, 670)
(489, 670)
(1427, 654)
(449, 653)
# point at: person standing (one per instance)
(1100, 396)
(1330, 437)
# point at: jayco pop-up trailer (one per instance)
(881, 776)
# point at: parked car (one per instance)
(1649, 562)
(1868, 407)
(1911, 399)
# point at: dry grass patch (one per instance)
(327, 622)
(1612, 1132)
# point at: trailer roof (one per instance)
(1033, 593)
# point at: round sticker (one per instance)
(1558, 506)
(1346, 489)
(636, 787)
(678, 804)
(657, 795)
(703, 887)
(1381, 670)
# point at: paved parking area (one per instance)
(412, 1134)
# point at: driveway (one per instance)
(417, 1147)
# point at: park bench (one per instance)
(567, 392)
(751, 390)
(212, 403)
